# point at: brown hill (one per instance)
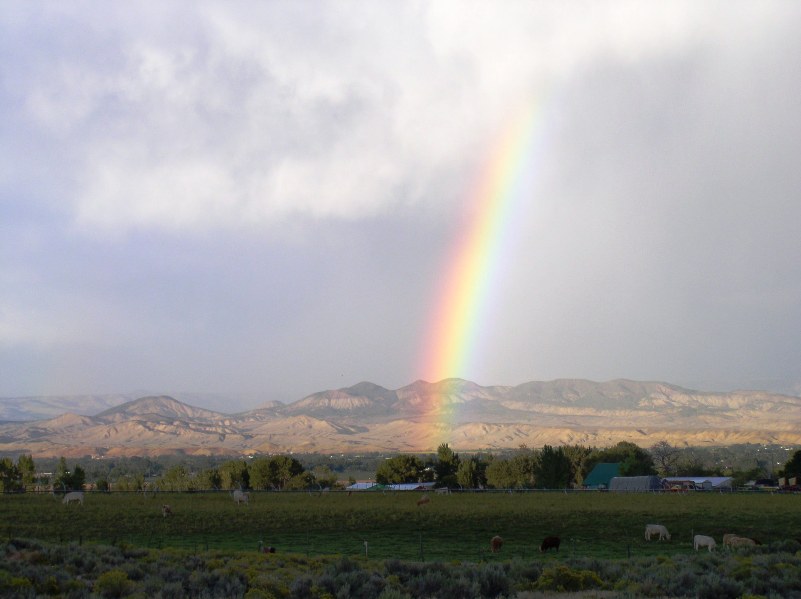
(420, 416)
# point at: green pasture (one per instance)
(454, 527)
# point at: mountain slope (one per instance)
(420, 416)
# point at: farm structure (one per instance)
(370, 486)
(698, 483)
(601, 474)
(635, 483)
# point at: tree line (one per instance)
(549, 467)
(560, 467)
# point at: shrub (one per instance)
(114, 583)
(562, 578)
(715, 586)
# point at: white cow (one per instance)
(241, 497)
(73, 497)
(703, 541)
(656, 529)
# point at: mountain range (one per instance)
(416, 418)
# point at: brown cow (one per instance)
(423, 500)
(496, 543)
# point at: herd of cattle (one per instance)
(699, 541)
(729, 540)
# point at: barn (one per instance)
(635, 483)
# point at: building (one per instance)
(599, 477)
(698, 483)
(635, 483)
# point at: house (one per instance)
(635, 483)
(600, 475)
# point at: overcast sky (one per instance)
(262, 197)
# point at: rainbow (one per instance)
(475, 262)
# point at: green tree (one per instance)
(793, 466)
(633, 460)
(10, 479)
(301, 482)
(78, 478)
(175, 479)
(260, 473)
(284, 468)
(577, 454)
(402, 468)
(472, 473)
(27, 470)
(446, 467)
(553, 469)
(234, 475)
(500, 474)
(324, 477)
(209, 479)
(62, 474)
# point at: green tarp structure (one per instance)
(600, 476)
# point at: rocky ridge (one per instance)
(418, 417)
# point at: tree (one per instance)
(577, 455)
(400, 469)
(553, 469)
(324, 477)
(516, 472)
(260, 477)
(78, 478)
(633, 460)
(9, 476)
(67, 479)
(27, 470)
(234, 475)
(793, 466)
(472, 473)
(175, 479)
(284, 468)
(446, 466)
(665, 458)
(62, 474)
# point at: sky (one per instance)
(266, 199)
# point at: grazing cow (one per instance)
(241, 497)
(496, 543)
(727, 538)
(423, 500)
(73, 497)
(166, 510)
(656, 529)
(703, 541)
(550, 543)
(741, 542)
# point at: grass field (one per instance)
(450, 528)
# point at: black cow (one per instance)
(550, 543)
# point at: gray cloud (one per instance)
(263, 199)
